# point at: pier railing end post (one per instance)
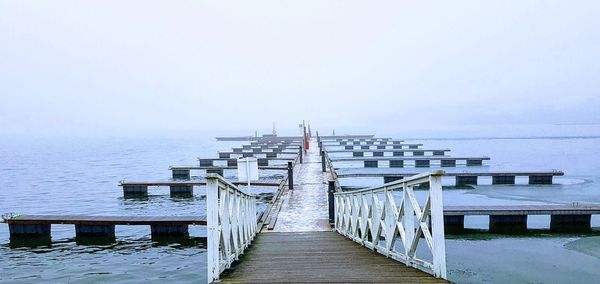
(331, 201)
(290, 175)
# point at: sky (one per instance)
(135, 67)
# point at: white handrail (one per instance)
(231, 223)
(371, 218)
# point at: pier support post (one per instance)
(398, 154)
(350, 147)
(263, 162)
(377, 154)
(323, 165)
(540, 179)
(169, 230)
(508, 224)
(358, 154)
(331, 201)
(422, 163)
(448, 163)
(380, 147)
(387, 179)
(413, 146)
(364, 147)
(215, 171)
(181, 174)
(232, 163)
(474, 163)
(454, 224)
(206, 162)
(271, 155)
(85, 230)
(503, 180)
(181, 189)
(224, 155)
(571, 223)
(135, 190)
(396, 163)
(466, 180)
(290, 175)
(371, 164)
(418, 153)
(237, 150)
(398, 147)
(29, 230)
(247, 155)
(438, 153)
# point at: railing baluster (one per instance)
(360, 212)
(231, 223)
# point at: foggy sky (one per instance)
(110, 67)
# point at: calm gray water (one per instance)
(80, 176)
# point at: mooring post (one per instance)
(300, 154)
(331, 201)
(290, 175)
(323, 161)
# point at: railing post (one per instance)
(320, 147)
(323, 168)
(290, 175)
(408, 221)
(331, 201)
(301, 154)
(437, 226)
(212, 224)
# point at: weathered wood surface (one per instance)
(464, 173)
(582, 209)
(317, 257)
(388, 150)
(274, 183)
(276, 168)
(107, 220)
(404, 158)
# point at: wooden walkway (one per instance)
(299, 245)
(317, 257)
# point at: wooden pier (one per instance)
(317, 257)
(313, 230)
(469, 178)
(104, 226)
(296, 243)
(513, 218)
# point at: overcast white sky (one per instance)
(81, 67)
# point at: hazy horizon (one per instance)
(94, 68)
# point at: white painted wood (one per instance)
(231, 223)
(372, 218)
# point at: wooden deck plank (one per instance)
(107, 220)
(317, 257)
(581, 209)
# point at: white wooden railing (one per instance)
(231, 222)
(372, 218)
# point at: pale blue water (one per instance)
(80, 176)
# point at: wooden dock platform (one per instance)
(317, 257)
(104, 226)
